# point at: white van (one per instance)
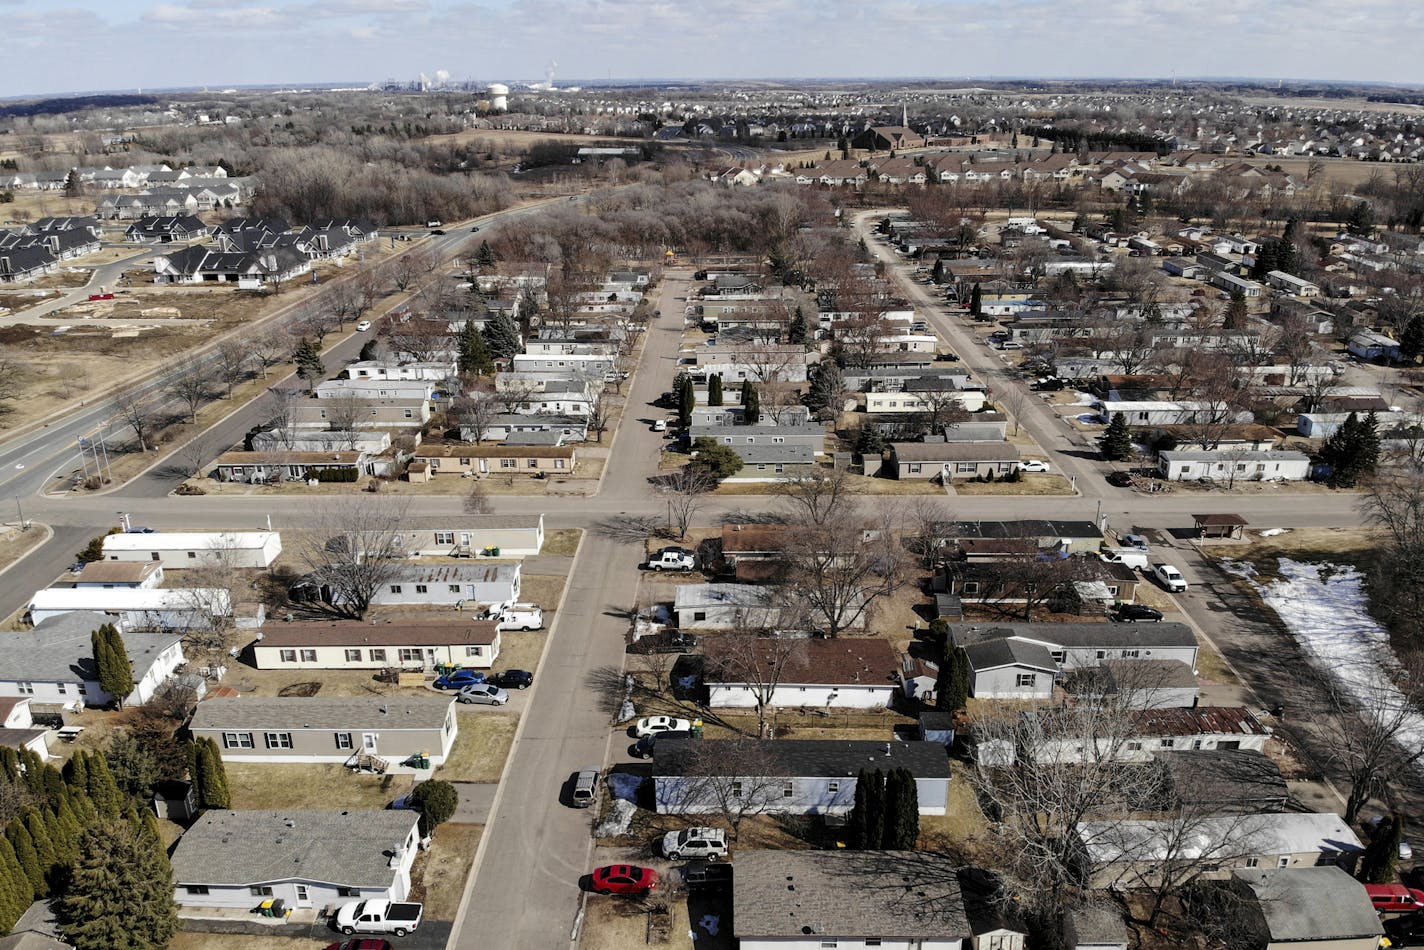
(1132, 557)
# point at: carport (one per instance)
(1220, 526)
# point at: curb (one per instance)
(48, 534)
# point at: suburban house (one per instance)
(257, 468)
(1291, 284)
(923, 395)
(822, 674)
(138, 608)
(769, 463)
(801, 900)
(428, 461)
(166, 229)
(505, 536)
(1078, 645)
(435, 371)
(794, 776)
(1300, 908)
(1370, 345)
(986, 575)
(110, 574)
(1128, 854)
(304, 858)
(1225, 465)
(1073, 537)
(451, 585)
(54, 662)
(249, 269)
(348, 413)
(1135, 684)
(410, 644)
(195, 549)
(327, 729)
(951, 460)
(17, 727)
(347, 388)
(808, 435)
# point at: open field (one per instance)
(258, 785)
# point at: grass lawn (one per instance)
(542, 589)
(962, 830)
(1030, 484)
(15, 544)
(327, 785)
(617, 923)
(440, 872)
(481, 747)
(192, 940)
(520, 650)
(561, 542)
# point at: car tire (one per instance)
(527, 629)
(674, 855)
(522, 686)
(655, 567)
(400, 931)
(604, 891)
(348, 931)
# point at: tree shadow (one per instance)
(628, 529)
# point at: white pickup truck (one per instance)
(379, 917)
(672, 559)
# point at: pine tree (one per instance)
(30, 863)
(751, 403)
(954, 679)
(1411, 339)
(103, 790)
(714, 390)
(69, 828)
(874, 837)
(309, 364)
(1236, 313)
(855, 823)
(937, 274)
(909, 808)
(16, 891)
(796, 331)
(485, 257)
(870, 440)
(686, 402)
(121, 890)
(1352, 451)
(502, 335)
(1368, 455)
(1116, 440)
(976, 302)
(210, 777)
(474, 352)
(43, 842)
(112, 659)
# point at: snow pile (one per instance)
(1323, 606)
(1272, 532)
(710, 923)
(624, 786)
(616, 822)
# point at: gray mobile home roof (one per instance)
(316, 712)
(59, 649)
(1309, 904)
(237, 848)
(1011, 651)
(954, 451)
(775, 454)
(1224, 777)
(811, 758)
(847, 894)
(1071, 635)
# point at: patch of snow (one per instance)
(710, 923)
(616, 822)
(1086, 399)
(1323, 606)
(687, 682)
(624, 786)
(662, 614)
(627, 711)
(1089, 417)
(1272, 532)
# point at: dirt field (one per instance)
(192, 940)
(440, 872)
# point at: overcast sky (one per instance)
(69, 45)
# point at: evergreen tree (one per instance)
(870, 440)
(24, 847)
(1352, 452)
(1362, 220)
(502, 335)
(751, 403)
(1116, 440)
(111, 658)
(954, 679)
(16, 892)
(855, 822)
(1411, 339)
(827, 386)
(485, 257)
(309, 364)
(686, 402)
(714, 390)
(902, 803)
(474, 352)
(210, 776)
(1236, 313)
(68, 829)
(121, 890)
(103, 790)
(874, 836)
(437, 802)
(937, 275)
(42, 841)
(93, 551)
(796, 331)
(976, 302)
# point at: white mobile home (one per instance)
(815, 674)
(54, 663)
(139, 608)
(505, 536)
(195, 549)
(1224, 465)
(415, 644)
(452, 585)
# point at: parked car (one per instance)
(1406, 931)
(624, 879)
(710, 843)
(659, 425)
(644, 747)
(459, 679)
(379, 917)
(653, 725)
(361, 943)
(1170, 578)
(1135, 541)
(672, 559)
(706, 875)
(669, 641)
(1120, 479)
(482, 694)
(1128, 557)
(1394, 898)
(513, 679)
(518, 616)
(585, 786)
(1132, 613)
(362, 327)
(438, 232)
(1033, 465)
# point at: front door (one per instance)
(303, 896)
(464, 539)
(368, 742)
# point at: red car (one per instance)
(624, 879)
(1394, 898)
(361, 944)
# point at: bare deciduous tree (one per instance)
(1015, 401)
(839, 570)
(731, 778)
(230, 362)
(817, 495)
(353, 548)
(268, 350)
(476, 413)
(135, 408)
(191, 383)
(757, 661)
(685, 490)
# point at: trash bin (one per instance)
(494, 552)
(422, 760)
(265, 908)
(279, 908)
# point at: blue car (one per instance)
(460, 679)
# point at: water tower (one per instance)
(499, 97)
